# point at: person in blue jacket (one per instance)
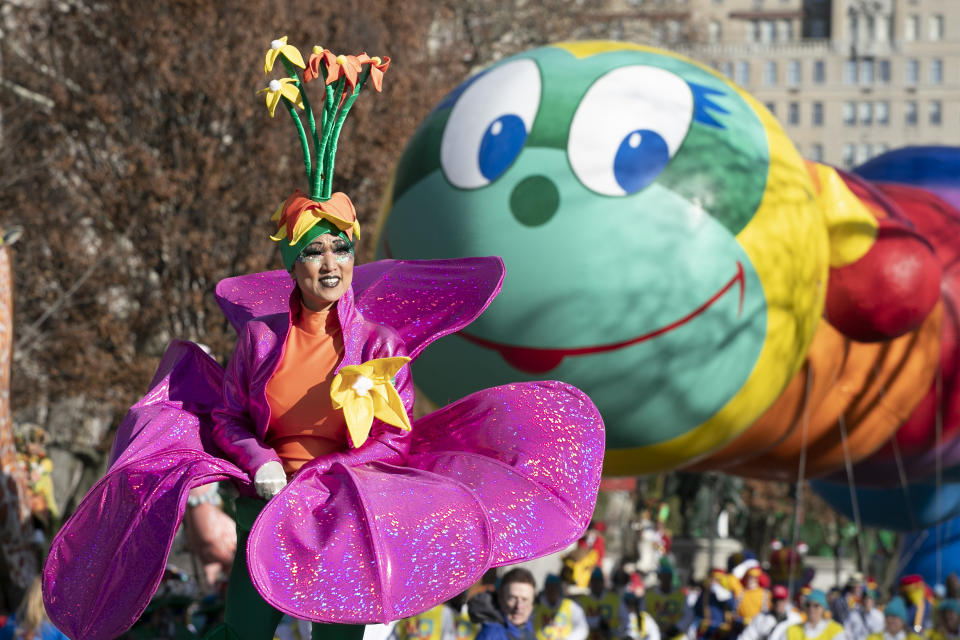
(507, 614)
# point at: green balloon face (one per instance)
(613, 186)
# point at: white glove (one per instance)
(269, 479)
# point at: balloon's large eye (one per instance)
(629, 124)
(489, 124)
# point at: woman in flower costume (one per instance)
(349, 512)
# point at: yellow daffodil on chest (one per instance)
(365, 391)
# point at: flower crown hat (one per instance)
(302, 218)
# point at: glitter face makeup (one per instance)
(314, 253)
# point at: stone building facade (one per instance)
(848, 79)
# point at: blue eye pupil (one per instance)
(501, 143)
(642, 155)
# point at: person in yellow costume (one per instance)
(773, 624)
(606, 613)
(579, 564)
(896, 625)
(466, 629)
(668, 606)
(948, 624)
(816, 627)
(437, 623)
(754, 599)
(917, 603)
(556, 617)
(642, 626)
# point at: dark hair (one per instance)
(519, 575)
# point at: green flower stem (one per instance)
(310, 118)
(333, 102)
(316, 179)
(331, 151)
(292, 110)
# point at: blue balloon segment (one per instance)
(917, 507)
(914, 165)
(932, 168)
(501, 144)
(642, 155)
(918, 552)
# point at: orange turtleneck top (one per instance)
(303, 424)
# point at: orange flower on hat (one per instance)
(378, 67)
(318, 56)
(343, 67)
(299, 214)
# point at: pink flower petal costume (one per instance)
(396, 526)
(386, 530)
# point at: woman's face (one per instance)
(324, 271)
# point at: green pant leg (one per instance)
(336, 631)
(248, 615)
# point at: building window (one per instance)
(818, 114)
(793, 113)
(658, 32)
(936, 27)
(911, 28)
(714, 31)
(910, 112)
(848, 154)
(818, 28)
(854, 26)
(936, 71)
(770, 73)
(866, 71)
(879, 148)
(871, 26)
(673, 30)
(912, 71)
(793, 73)
(786, 31)
(849, 113)
(882, 110)
(743, 72)
(816, 152)
(819, 72)
(771, 107)
(753, 31)
(883, 70)
(882, 30)
(866, 113)
(766, 31)
(727, 69)
(850, 72)
(863, 152)
(936, 112)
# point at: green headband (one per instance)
(289, 253)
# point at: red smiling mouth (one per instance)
(536, 360)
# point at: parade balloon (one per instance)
(871, 373)
(930, 437)
(667, 249)
(918, 505)
(935, 169)
(933, 553)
